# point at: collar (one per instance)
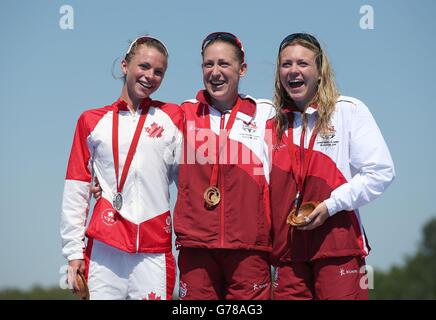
(121, 105)
(309, 110)
(246, 111)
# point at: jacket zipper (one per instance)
(222, 186)
(134, 114)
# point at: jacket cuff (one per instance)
(331, 206)
(75, 256)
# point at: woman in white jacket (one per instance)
(329, 159)
(132, 147)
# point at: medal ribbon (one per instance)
(132, 149)
(305, 156)
(229, 126)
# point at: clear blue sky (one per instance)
(49, 76)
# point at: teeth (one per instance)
(145, 84)
(217, 83)
(296, 83)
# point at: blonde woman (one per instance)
(132, 148)
(329, 159)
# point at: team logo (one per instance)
(327, 138)
(183, 289)
(329, 134)
(249, 127)
(154, 131)
(109, 217)
(249, 130)
(167, 228)
(259, 286)
(343, 272)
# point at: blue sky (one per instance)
(49, 76)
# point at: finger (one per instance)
(312, 216)
(311, 225)
(71, 277)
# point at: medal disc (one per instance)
(212, 196)
(300, 218)
(117, 201)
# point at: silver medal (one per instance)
(117, 201)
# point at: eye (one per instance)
(159, 73)
(286, 64)
(207, 65)
(145, 66)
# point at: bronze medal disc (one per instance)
(212, 196)
(299, 219)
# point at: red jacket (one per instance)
(242, 218)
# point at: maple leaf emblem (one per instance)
(154, 131)
(153, 296)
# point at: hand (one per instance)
(318, 216)
(73, 266)
(96, 189)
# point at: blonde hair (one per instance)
(325, 96)
(147, 41)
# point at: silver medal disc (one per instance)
(117, 201)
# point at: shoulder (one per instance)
(347, 102)
(89, 118)
(167, 107)
(264, 107)
(190, 106)
(171, 110)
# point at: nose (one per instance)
(294, 69)
(215, 71)
(149, 74)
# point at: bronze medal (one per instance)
(300, 218)
(212, 196)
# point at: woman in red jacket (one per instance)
(221, 218)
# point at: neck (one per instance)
(132, 103)
(301, 106)
(224, 106)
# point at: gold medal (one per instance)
(300, 218)
(212, 196)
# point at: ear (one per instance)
(243, 70)
(123, 66)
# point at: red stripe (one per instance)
(79, 155)
(88, 252)
(357, 230)
(170, 267)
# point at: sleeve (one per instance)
(370, 163)
(76, 196)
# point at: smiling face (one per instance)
(221, 73)
(144, 73)
(299, 74)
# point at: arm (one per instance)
(75, 202)
(370, 161)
